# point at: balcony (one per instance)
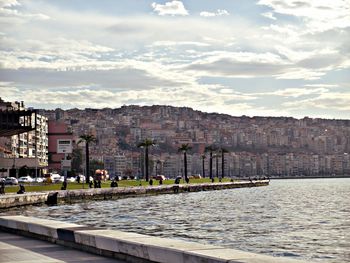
(16, 122)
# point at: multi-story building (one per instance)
(58, 132)
(28, 148)
(110, 165)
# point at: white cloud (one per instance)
(9, 8)
(269, 15)
(320, 85)
(297, 92)
(339, 101)
(8, 3)
(179, 43)
(126, 56)
(172, 8)
(56, 53)
(219, 12)
(318, 15)
(239, 64)
(82, 97)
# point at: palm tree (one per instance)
(184, 148)
(217, 156)
(203, 162)
(210, 149)
(146, 144)
(223, 151)
(87, 138)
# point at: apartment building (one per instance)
(26, 148)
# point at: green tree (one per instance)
(210, 149)
(146, 144)
(184, 148)
(87, 138)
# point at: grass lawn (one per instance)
(122, 183)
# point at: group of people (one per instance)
(21, 190)
(95, 184)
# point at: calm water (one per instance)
(306, 219)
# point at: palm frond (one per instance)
(210, 148)
(184, 148)
(87, 138)
(146, 143)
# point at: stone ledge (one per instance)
(13, 200)
(71, 196)
(131, 246)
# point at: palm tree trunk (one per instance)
(211, 166)
(185, 164)
(87, 163)
(222, 165)
(146, 161)
(203, 170)
(217, 166)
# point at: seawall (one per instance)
(127, 246)
(72, 196)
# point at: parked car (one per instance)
(11, 181)
(38, 180)
(2, 179)
(71, 179)
(81, 178)
(59, 179)
(51, 177)
(25, 179)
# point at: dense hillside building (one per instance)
(279, 146)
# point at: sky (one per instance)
(254, 58)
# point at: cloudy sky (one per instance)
(256, 58)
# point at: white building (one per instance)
(28, 148)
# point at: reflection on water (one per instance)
(306, 219)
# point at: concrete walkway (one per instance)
(19, 249)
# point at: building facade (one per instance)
(58, 131)
(27, 148)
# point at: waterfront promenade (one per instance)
(16, 248)
(128, 246)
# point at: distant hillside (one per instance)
(122, 128)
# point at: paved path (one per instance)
(19, 249)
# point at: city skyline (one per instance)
(279, 146)
(255, 58)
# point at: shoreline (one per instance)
(309, 177)
(9, 201)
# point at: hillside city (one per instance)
(272, 146)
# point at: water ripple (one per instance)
(306, 219)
